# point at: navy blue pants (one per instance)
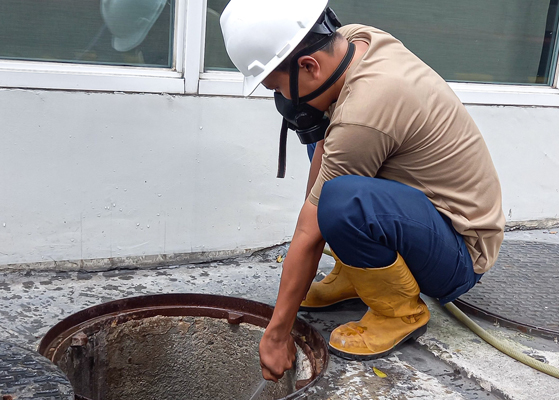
(367, 220)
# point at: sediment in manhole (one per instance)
(166, 350)
(169, 358)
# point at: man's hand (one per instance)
(276, 356)
(277, 350)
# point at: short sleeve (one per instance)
(351, 149)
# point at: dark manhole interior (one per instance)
(180, 346)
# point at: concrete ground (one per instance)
(448, 362)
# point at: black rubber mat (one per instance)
(25, 375)
(521, 290)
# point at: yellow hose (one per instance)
(493, 341)
(500, 345)
(328, 252)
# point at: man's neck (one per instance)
(340, 51)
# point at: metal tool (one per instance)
(258, 390)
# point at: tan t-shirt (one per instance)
(398, 119)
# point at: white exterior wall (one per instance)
(97, 175)
(524, 145)
(87, 175)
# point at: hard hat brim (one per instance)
(250, 83)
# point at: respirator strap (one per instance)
(327, 26)
(282, 150)
(334, 77)
(294, 88)
(294, 67)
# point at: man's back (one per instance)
(397, 119)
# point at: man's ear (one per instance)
(310, 65)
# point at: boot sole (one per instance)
(367, 357)
(333, 306)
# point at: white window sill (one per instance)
(506, 95)
(30, 75)
(37, 75)
(230, 84)
(227, 84)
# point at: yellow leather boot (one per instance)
(335, 288)
(396, 313)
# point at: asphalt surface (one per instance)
(521, 290)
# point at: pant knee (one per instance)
(338, 207)
(347, 218)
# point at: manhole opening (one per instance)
(176, 347)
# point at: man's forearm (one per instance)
(295, 281)
(299, 270)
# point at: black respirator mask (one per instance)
(308, 122)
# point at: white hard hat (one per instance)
(130, 20)
(260, 34)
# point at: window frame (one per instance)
(187, 76)
(106, 78)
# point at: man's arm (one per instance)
(277, 350)
(315, 165)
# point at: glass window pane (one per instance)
(216, 57)
(115, 32)
(500, 41)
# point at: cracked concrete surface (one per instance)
(448, 362)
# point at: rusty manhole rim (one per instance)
(235, 310)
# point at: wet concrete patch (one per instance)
(118, 273)
(28, 285)
(60, 276)
(84, 276)
(12, 297)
